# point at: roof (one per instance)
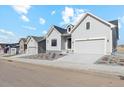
(61, 30)
(95, 17)
(115, 22)
(38, 39)
(23, 39)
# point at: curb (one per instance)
(85, 71)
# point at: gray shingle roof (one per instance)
(115, 22)
(38, 39)
(61, 30)
(24, 39)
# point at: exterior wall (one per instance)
(32, 47)
(1, 50)
(13, 51)
(21, 47)
(114, 39)
(53, 35)
(63, 42)
(42, 46)
(97, 29)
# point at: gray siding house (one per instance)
(56, 39)
(22, 46)
(36, 45)
(90, 35)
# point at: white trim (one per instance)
(112, 25)
(67, 43)
(95, 38)
(77, 24)
(50, 31)
(90, 38)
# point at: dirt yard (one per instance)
(13, 74)
(120, 49)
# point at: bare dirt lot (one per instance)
(120, 49)
(14, 74)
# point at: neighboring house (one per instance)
(22, 46)
(9, 48)
(2, 47)
(91, 35)
(36, 45)
(14, 49)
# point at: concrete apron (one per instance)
(88, 69)
(80, 58)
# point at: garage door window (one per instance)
(54, 42)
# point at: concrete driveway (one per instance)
(81, 58)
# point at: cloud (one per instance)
(67, 14)
(120, 22)
(71, 15)
(5, 32)
(42, 21)
(29, 27)
(119, 25)
(21, 9)
(53, 12)
(44, 32)
(7, 36)
(24, 18)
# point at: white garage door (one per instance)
(91, 46)
(32, 50)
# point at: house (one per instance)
(9, 48)
(14, 49)
(36, 45)
(56, 39)
(22, 46)
(2, 47)
(90, 35)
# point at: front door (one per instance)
(69, 43)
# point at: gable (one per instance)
(94, 17)
(53, 30)
(31, 41)
(21, 42)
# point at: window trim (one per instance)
(88, 26)
(52, 42)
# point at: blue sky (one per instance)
(22, 21)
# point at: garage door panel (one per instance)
(90, 46)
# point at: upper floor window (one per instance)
(88, 25)
(69, 29)
(53, 42)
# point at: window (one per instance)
(88, 25)
(69, 29)
(54, 42)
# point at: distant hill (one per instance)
(122, 45)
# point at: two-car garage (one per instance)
(90, 46)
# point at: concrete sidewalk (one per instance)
(103, 69)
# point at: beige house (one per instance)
(36, 45)
(22, 46)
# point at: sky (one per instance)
(18, 21)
